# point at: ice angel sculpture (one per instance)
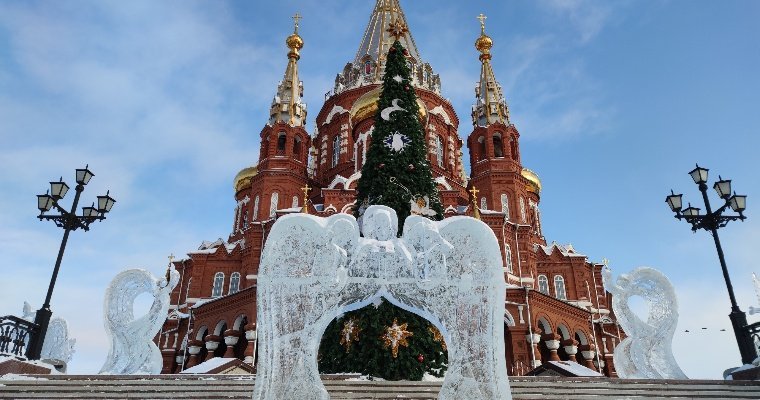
(132, 349)
(646, 352)
(57, 347)
(314, 269)
(756, 283)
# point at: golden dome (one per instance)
(484, 44)
(243, 178)
(294, 42)
(366, 106)
(534, 183)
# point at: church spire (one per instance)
(287, 105)
(490, 106)
(386, 23)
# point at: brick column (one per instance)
(212, 343)
(552, 343)
(231, 338)
(571, 349)
(250, 350)
(588, 353)
(193, 348)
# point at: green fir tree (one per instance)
(395, 174)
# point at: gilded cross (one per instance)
(475, 210)
(482, 19)
(606, 262)
(306, 190)
(474, 191)
(296, 19)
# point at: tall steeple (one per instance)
(387, 22)
(490, 106)
(287, 105)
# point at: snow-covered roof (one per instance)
(574, 368)
(208, 365)
(566, 250)
(207, 247)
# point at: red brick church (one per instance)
(557, 308)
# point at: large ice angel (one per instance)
(314, 269)
(646, 352)
(132, 349)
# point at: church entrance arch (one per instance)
(314, 269)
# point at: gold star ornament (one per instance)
(437, 336)
(395, 336)
(397, 28)
(349, 333)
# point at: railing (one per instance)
(753, 330)
(14, 335)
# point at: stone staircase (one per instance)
(241, 387)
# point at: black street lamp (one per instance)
(712, 221)
(69, 221)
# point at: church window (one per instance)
(234, 283)
(498, 146)
(543, 284)
(273, 206)
(508, 251)
(245, 220)
(439, 150)
(295, 201)
(522, 210)
(483, 204)
(281, 142)
(505, 205)
(218, 284)
(367, 67)
(481, 148)
(256, 208)
(336, 150)
(559, 287)
(297, 147)
(237, 216)
(513, 148)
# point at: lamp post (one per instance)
(712, 221)
(69, 221)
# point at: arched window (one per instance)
(522, 210)
(483, 204)
(336, 150)
(234, 283)
(481, 148)
(559, 287)
(505, 205)
(543, 284)
(513, 148)
(256, 208)
(281, 142)
(498, 146)
(295, 201)
(245, 220)
(439, 150)
(297, 147)
(273, 206)
(218, 284)
(237, 216)
(508, 250)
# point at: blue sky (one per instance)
(615, 102)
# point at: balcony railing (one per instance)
(14, 335)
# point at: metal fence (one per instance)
(14, 335)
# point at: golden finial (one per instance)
(294, 41)
(484, 42)
(306, 190)
(476, 211)
(397, 28)
(606, 262)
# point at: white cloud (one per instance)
(588, 18)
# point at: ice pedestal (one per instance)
(315, 269)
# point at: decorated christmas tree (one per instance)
(383, 340)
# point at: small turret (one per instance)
(287, 105)
(490, 106)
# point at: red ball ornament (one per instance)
(411, 167)
(392, 50)
(420, 358)
(406, 52)
(381, 165)
(406, 88)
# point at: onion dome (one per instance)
(534, 183)
(366, 106)
(243, 178)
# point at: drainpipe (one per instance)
(530, 331)
(593, 328)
